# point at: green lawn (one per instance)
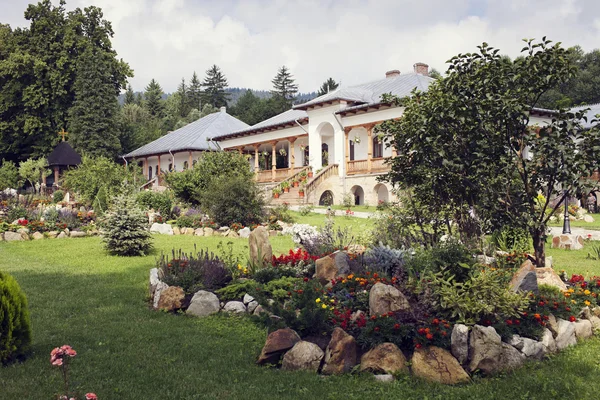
(354, 224)
(340, 207)
(80, 296)
(581, 224)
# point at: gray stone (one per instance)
(203, 303)
(386, 298)
(510, 358)
(485, 348)
(341, 262)
(224, 229)
(12, 236)
(236, 307)
(548, 262)
(552, 325)
(154, 280)
(303, 356)
(176, 231)
(529, 347)
(199, 232)
(78, 234)
(261, 251)
(160, 287)
(258, 310)
(583, 329)
(387, 378)
(37, 236)
(233, 234)
(252, 306)
(244, 232)
(596, 311)
(459, 342)
(208, 231)
(548, 341)
(340, 355)
(52, 234)
(566, 334)
(62, 235)
(588, 218)
(595, 321)
(437, 365)
(525, 279)
(163, 229)
(247, 299)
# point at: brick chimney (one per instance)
(392, 74)
(421, 68)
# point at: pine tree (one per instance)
(248, 108)
(284, 90)
(214, 85)
(194, 92)
(93, 117)
(129, 96)
(328, 86)
(183, 108)
(139, 99)
(154, 102)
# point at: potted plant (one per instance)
(296, 182)
(285, 185)
(303, 175)
(310, 173)
(301, 191)
(276, 192)
(282, 152)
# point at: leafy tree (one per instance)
(249, 108)
(435, 74)
(328, 86)
(214, 86)
(284, 87)
(194, 92)
(153, 101)
(9, 175)
(32, 170)
(467, 143)
(129, 96)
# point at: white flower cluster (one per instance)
(301, 233)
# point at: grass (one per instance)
(81, 296)
(354, 224)
(363, 208)
(580, 223)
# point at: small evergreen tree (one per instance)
(15, 325)
(154, 102)
(194, 92)
(183, 105)
(214, 86)
(125, 232)
(9, 175)
(129, 96)
(284, 85)
(328, 86)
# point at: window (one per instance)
(185, 165)
(351, 150)
(149, 173)
(377, 148)
(157, 171)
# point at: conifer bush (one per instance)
(125, 231)
(15, 326)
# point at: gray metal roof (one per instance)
(594, 109)
(370, 93)
(283, 118)
(193, 136)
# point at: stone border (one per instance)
(23, 234)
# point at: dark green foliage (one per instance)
(15, 325)
(129, 96)
(511, 239)
(58, 196)
(233, 199)
(194, 92)
(153, 101)
(385, 260)
(282, 213)
(125, 231)
(214, 86)
(236, 291)
(268, 274)
(9, 175)
(284, 90)
(328, 86)
(161, 202)
(192, 272)
(451, 257)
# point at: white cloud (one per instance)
(353, 41)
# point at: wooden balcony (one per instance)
(276, 175)
(375, 166)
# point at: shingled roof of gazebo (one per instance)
(63, 156)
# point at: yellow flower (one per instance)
(331, 308)
(573, 302)
(239, 267)
(350, 276)
(324, 306)
(317, 300)
(567, 294)
(571, 290)
(332, 300)
(587, 302)
(587, 292)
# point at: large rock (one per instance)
(247, 299)
(261, 252)
(595, 321)
(566, 334)
(485, 348)
(160, 287)
(62, 235)
(588, 218)
(340, 355)
(568, 242)
(37, 236)
(583, 329)
(529, 347)
(548, 341)
(552, 325)
(386, 298)
(548, 276)
(325, 269)
(437, 365)
(163, 229)
(12, 236)
(385, 358)
(176, 230)
(154, 281)
(459, 342)
(525, 279)
(233, 234)
(303, 356)
(52, 234)
(208, 231)
(171, 298)
(510, 358)
(75, 234)
(244, 232)
(203, 303)
(199, 232)
(277, 343)
(236, 307)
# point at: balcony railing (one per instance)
(280, 174)
(378, 165)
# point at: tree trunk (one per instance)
(539, 243)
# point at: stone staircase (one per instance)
(292, 198)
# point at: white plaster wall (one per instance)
(180, 158)
(317, 119)
(373, 116)
(360, 149)
(263, 137)
(339, 185)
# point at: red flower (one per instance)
(435, 321)
(421, 331)
(572, 318)
(509, 322)
(376, 329)
(429, 336)
(418, 345)
(397, 326)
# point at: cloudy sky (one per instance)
(353, 41)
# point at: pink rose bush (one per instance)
(60, 357)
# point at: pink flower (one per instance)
(91, 396)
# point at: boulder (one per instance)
(247, 298)
(385, 358)
(236, 307)
(548, 262)
(62, 235)
(12, 236)
(510, 358)
(233, 234)
(387, 378)
(552, 325)
(163, 229)
(583, 329)
(78, 234)
(568, 242)
(485, 348)
(588, 218)
(224, 233)
(595, 321)
(548, 341)
(459, 343)
(525, 279)
(325, 269)
(529, 347)
(340, 355)
(596, 311)
(548, 276)
(52, 234)
(252, 306)
(160, 287)
(208, 231)
(566, 334)
(261, 252)
(203, 303)
(244, 232)
(303, 356)
(386, 298)
(171, 298)
(154, 280)
(176, 231)
(437, 365)
(37, 236)
(199, 232)
(277, 343)
(258, 310)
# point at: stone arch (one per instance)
(359, 195)
(326, 198)
(327, 150)
(382, 192)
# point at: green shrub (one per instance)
(512, 239)
(305, 210)
(161, 202)
(233, 199)
(125, 229)
(9, 175)
(450, 257)
(58, 196)
(282, 213)
(236, 291)
(15, 327)
(194, 272)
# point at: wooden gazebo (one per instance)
(62, 157)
